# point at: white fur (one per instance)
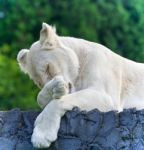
(99, 79)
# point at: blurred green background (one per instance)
(118, 24)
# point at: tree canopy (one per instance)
(117, 24)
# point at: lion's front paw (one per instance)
(60, 88)
(42, 139)
(54, 89)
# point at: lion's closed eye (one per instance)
(48, 72)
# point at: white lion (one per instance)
(75, 72)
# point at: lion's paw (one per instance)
(39, 141)
(60, 88)
(42, 139)
(54, 89)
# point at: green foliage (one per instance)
(118, 24)
(15, 88)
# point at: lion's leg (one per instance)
(48, 122)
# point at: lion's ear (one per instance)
(48, 37)
(21, 58)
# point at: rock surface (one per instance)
(79, 130)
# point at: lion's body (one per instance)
(105, 71)
(74, 72)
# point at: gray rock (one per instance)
(79, 130)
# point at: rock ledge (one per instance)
(79, 130)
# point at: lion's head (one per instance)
(48, 58)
